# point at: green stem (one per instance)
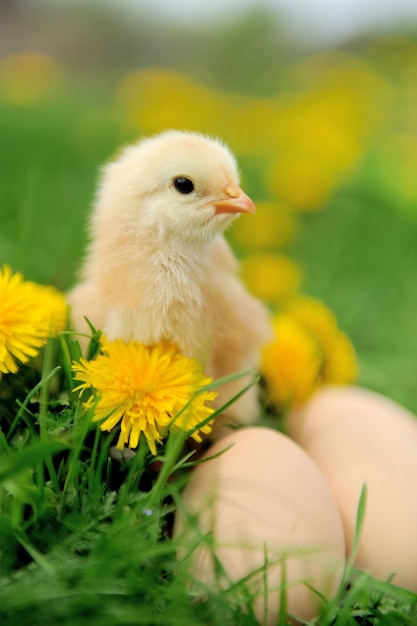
(44, 390)
(28, 398)
(175, 445)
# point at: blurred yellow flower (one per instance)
(273, 226)
(154, 99)
(308, 351)
(290, 364)
(271, 277)
(147, 389)
(322, 129)
(351, 92)
(26, 79)
(318, 140)
(317, 128)
(338, 362)
(29, 314)
(304, 184)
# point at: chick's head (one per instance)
(175, 185)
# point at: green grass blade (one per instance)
(360, 518)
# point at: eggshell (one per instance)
(262, 503)
(357, 436)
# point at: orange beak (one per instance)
(235, 201)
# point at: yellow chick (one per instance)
(158, 267)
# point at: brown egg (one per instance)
(262, 506)
(357, 436)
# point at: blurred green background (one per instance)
(325, 134)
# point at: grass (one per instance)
(85, 539)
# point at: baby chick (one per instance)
(158, 268)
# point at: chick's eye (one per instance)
(183, 185)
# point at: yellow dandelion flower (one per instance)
(271, 277)
(290, 364)
(147, 389)
(29, 314)
(313, 315)
(308, 351)
(338, 358)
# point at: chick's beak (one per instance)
(234, 201)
